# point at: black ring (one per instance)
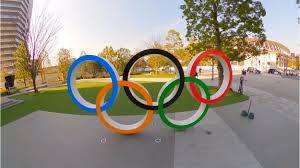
(148, 52)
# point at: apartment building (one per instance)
(15, 20)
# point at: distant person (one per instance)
(200, 72)
(196, 74)
(244, 72)
(7, 87)
(241, 89)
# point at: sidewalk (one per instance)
(286, 108)
(271, 140)
(273, 135)
(221, 148)
(44, 139)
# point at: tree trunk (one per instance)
(24, 80)
(219, 66)
(212, 69)
(34, 84)
(220, 73)
(218, 42)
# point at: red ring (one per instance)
(193, 70)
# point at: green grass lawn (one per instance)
(160, 75)
(58, 100)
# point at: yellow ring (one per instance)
(121, 128)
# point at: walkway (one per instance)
(44, 139)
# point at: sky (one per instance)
(90, 25)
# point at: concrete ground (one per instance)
(44, 139)
(276, 85)
(222, 139)
(211, 144)
(273, 136)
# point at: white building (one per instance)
(276, 57)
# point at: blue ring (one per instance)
(110, 70)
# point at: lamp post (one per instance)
(298, 2)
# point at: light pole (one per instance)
(298, 2)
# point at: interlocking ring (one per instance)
(227, 71)
(72, 88)
(124, 128)
(194, 119)
(163, 99)
(172, 97)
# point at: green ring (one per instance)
(165, 93)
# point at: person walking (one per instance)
(199, 72)
(196, 75)
(241, 89)
(7, 87)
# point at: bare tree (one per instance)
(39, 39)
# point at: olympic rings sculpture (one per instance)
(163, 99)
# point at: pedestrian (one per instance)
(196, 74)
(243, 72)
(241, 89)
(199, 72)
(7, 87)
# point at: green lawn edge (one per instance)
(57, 100)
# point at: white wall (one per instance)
(262, 62)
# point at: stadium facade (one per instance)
(276, 57)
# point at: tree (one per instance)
(118, 58)
(175, 46)
(39, 39)
(95, 68)
(108, 53)
(140, 65)
(82, 53)
(297, 63)
(122, 57)
(173, 40)
(3, 74)
(64, 62)
(46, 63)
(21, 71)
(89, 69)
(226, 25)
(293, 63)
(194, 47)
(83, 68)
(155, 61)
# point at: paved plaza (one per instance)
(49, 140)
(273, 136)
(223, 139)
